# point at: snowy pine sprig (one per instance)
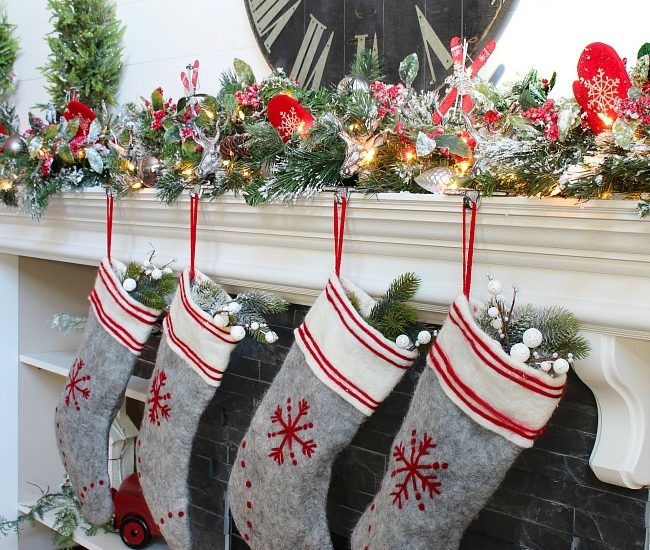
(245, 313)
(148, 284)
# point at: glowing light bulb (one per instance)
(369, 155)
(137, 184)
(6, 184)
(226, 163)
(130, 166)
(209, 114)
(241, 115)
(607, 120)
(187, 171)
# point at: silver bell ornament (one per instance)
(148, 168)
(437, 179)
(13, 144)
(354, 83)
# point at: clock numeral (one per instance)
(307, 69)
(432, 43)
(361, 44)
(270, 19)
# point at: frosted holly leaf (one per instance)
(74, 388)
(602, 90)
(290, 124)
(415, 471)
(158, 410)
(290, 429)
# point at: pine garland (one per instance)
(67, 518)
(9, 47)
(85, 52)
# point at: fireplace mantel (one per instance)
(593, 258)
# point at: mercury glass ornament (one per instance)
(437, 179)
(148, 170)
(354, 83)
(13, 144)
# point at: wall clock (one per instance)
(314, 41)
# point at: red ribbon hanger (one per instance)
(339, 228)
(194, 214)
(110, 199)
(471, 204)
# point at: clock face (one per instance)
(315, 41)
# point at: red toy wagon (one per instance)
(132, 516)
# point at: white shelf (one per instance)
(100, 541)
(58, 362)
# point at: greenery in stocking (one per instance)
(394, 317)
(67, 517)
(150, 285)
(248, 310)
(85, 52)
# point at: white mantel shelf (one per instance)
(593, 258)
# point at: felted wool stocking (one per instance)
(118, 327)
(473, 411)
(336, 374)
(192, 358)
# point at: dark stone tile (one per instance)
(597, 528)
(566, 441)
(243, 366)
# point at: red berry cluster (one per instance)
(390, 97)
(634, 109)
(249, 97)
(545, 117)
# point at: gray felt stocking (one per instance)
(117, 329)
(192, 358)
(335, 375)
(473, 411)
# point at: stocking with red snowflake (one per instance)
(336, 374)
(474, 409)
(117, 329)
(192, 357)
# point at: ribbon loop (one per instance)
(194, 214)
(339, 227)
(471, 202)
(110, 199)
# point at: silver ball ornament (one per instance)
(156, 274)
(561, 366)
(520, 352)
(532, 338)
(255, 325)
(129, 284)
(148, 170)
(496, 324)
(493, 312)
(167, 271)
(13, 144)
(354, 83)
(424, 337)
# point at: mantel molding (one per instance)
(593, 258)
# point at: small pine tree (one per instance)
(8, 52)
(85, 52)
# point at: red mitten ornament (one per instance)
(289, 117)
(602, 81)
(86, 115)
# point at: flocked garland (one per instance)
(275, 140)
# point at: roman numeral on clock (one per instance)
(432, 43)
(271, 17)
(307, 69)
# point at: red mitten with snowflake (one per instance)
(193, 355)
(602, 81)
(77, 109)
(118, 327)
(289, 117)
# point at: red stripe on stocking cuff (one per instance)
(207, 325)
(112, 326)
(200, 364)
(332, 373)
(490, 358)
(110, 286)
(474, 402)
(334, 298)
